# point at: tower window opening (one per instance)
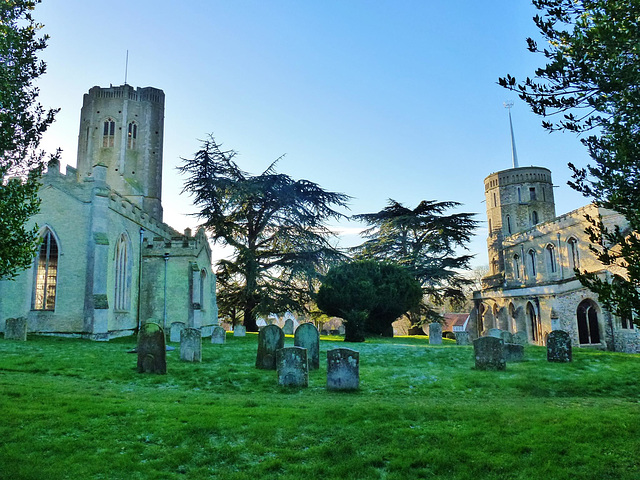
(519, 195)
(534, 217)
(551, 258)
(532, 193)
(132, 135)
(509, 224)
(516, 266)
(108, 133)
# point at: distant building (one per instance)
(531, 286)
(107, 262)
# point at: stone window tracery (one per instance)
(108, 133)
(532, 264)
(46, 273)
(516, 266)
(132, 135)
(551, 258)
(574, 259)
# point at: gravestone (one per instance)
(343, 369)
(218, 335)
(341, 329)
(270, 339)
(16, 329)
(494, 332)
(506, 336)
(435, 334)
(463, 338)
(288, 327)
(191, 345)
(489, 353)
(520, 338)
(307, 336)
(513, 352)
(176, 330)
(151, 349)
(559, 346)
(239, 331)
(292, 367)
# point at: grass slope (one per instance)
(77, 409)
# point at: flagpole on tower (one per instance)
(514, 154)
(126, 68)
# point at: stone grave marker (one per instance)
(288, 327)
(218, 335)
(343, 369)
(191, 345)
(559, 346)
(16, 329)
(435, 334)
(513, 352)
(520, 338)
(506, 336)
(151, 349)
(176, 330)
(239, 331)
(270, 339)
(494, 332)
(307, 336)
(341, 329)
(489, 353)
(463, 338)
(292, 367)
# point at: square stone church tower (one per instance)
(107, 262)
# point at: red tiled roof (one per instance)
(453, 319)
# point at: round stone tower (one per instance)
(517, 199)
(122, 128)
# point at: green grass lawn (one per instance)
(77, 409)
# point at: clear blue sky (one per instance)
(377, 99)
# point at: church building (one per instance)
(531, 286)
(107, 262)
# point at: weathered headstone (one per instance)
(343, 369)
(463, 338)
(270, 340)
(175, 332)
(288, 327)
(513, 352)
(16, 329)
(191, 345)
(151, 349)
(494, 332)
(239, 331)
(307, 336)
(435, 334)
(218, 335)
(292, 367)
(520, 338)
(506, 336)
(341, 329)
(559, 346)
(489, 353)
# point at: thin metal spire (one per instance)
(126, 68)
(514, 154)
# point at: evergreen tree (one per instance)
(591, 84)
(22, 123)
(275, 225)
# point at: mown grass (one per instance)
(77, 409)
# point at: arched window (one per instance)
(509, 224)
(108, 133)
(532, 264)
(588, 328)
(534, 217)
(46, 272)
(551, 258)
(533, 322)
(516, 266)
(532, 194)
(572, 253)
(123, 262)
(203, 278)
(132, 135)
(495, 201)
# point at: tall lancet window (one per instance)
(132, 135)
(46, 272)
(122, 295)
(108, 133)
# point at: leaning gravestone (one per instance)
(239, 331)
(463, 338)
(435, 334)
(176, 331)
(270, 339)
(520, 338)
(343, 369)
(513, 352)
(292, 367)
(218, 335)
(307, 336)
(191, 345)
(506, 336)
(152, 352)
(494, 332)
(16, 329)
(288, 327)
(559, 346)
(489, 353)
